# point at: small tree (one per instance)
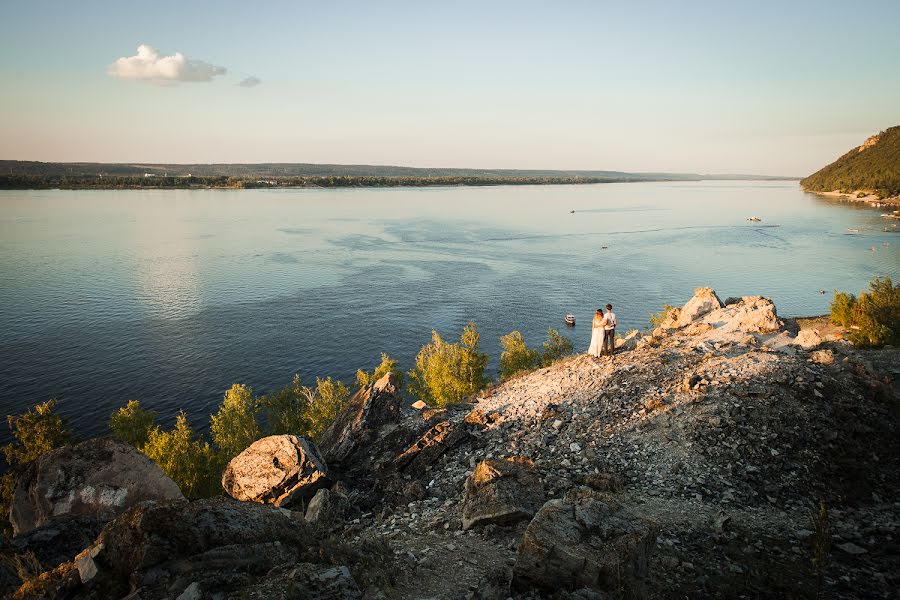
(842, 308)
(387, 365)
(188, 461)
(132, 424)
(322, 405)
(235, 427)
(874, 317)
(285, 408)
(473, 361)
(878, 315)
(516, 357)
(35, 432)
(447, 373)
(555, 347)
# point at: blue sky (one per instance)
(711, 87)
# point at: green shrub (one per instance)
(235, 426)
(447, 373)
(873, 317)
(297, 409)
(555, 347)
(184, 457)
(387, 365)
(322, 405)
(516, 357)
(285, 409)
(35, 432)
(842, 308)
(132, 424)
(657, 319)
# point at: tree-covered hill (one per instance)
(872, 167)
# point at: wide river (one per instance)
(171, 296)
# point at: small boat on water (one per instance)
(754, 219)
(570, 319)
(852, 230)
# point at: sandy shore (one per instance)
(870, 199)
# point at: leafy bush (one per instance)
(555, 347)
(235, 426)
(285, 409)
(132, 424)
(657, 319)
(190, 462)
(873, 317)
(36, 432)
(447, 373)
(322, 405)
(387, 365)
(302, 410)
(516, 356)
(842, 308)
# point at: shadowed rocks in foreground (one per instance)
(98, 478)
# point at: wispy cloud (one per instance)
(249, 82)
(150, 66)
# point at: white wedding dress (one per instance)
(596, 341)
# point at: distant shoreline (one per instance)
(96, 182)
(873, 200)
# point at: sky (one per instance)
(778, 88)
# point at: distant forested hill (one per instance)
(872, 167)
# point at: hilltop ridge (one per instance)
(873, 167)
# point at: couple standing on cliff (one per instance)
(603, 333)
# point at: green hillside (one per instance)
(872, 167)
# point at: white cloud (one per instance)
(148, 65)
(249, 81)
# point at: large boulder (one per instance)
(371, 413)
(704, 302)
(279, 470)
(501, 491)
(99, 478)
(753, 314)
(585, 540)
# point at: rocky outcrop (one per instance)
(585, 540)
(501, 491)
(98, 479)
(200, 548)
(279, 470)
(702, 303)
(368, 416)
(420, 456)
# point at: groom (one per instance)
(609, 339)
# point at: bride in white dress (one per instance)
(597, 333)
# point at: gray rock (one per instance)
(326, 507)
(279, 470)
(361, 422)
(98, 478)
(586, 540)
(501, 491)
(703, 302)
(153, 546)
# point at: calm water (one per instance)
(171, 296)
